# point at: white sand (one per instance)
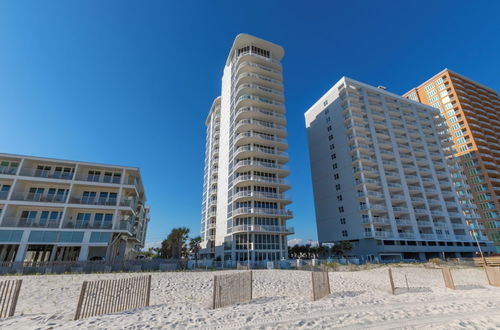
(282, 300)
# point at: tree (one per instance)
(341, 248)
(174, 246)
(195, 247)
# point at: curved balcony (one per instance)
(261, 179)
(254, 137)
(263, 211)
(254, 124)
(249, 100)
(248, 165)
(260, 113)
(258, 90)
(248, 151)
(247, 66)
(263, 229)
(261, 195)
(249, 77)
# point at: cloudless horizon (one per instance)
(131, 82)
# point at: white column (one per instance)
(23, 245)
(84, 249)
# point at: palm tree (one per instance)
(174, 246)
(195, 247)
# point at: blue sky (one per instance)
(131, 82)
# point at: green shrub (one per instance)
(435, 260)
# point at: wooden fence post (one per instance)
(391, 281)
(80, 300)
(448, 279)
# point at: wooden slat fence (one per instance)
(391, 282)
(111, 296)
(9, 292)
(493, 274)
(490, 261)
(320, 285)
(448, 279)
(232, 289)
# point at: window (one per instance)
(344, 233)
(325, 103)
(439, 81)
(334, 156)
(329, 128)
(330, 137)
(463, 148)
(441, 87)
(429, 87)
(431, 93)
(433, 99)
(332, 146)
(413, 96)
(328, 119)
(448, 106)
(342, 221)
(443, 93)
(339, 198)
(450, 113)
(453, 119)
(334, 166)
(459, 133)
(436, 105)
(341, 209)
(337, 187)
(461, 140)
(327, 111)
(336, 176)
(455, 126)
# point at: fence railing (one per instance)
(320, 285)
(448, 279)
(232, 289)
(111, 296)
(9, 292)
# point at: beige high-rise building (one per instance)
(471, 111)
(244, 211)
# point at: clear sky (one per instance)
(131, 82)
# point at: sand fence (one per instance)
(448, 279)
(320, 284)
(111, 296)
(9, 292)
(493, 274)
(232, 289)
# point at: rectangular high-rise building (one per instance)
(471, 111)
(244, 211)
(61, 210)
(382, 177)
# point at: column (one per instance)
(84, 249)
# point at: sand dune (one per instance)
(359, 299)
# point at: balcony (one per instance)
(379, 207)
(427, 236)
(406, 235)
(248, 164)
(249, 124)
(257, 68)
(267, 151)
(260, 195)
(263, 229)
(376, 221)
(86, 200)
(33, 197)
(31, 223)
(262, 179)
(84, 224)
(262, 211)
(39, 173)
(7, 170)
(250, 137)
(424, 223)
(379, 234)
(256, 111)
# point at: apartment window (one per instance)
(328, 119)
(455, 126)
(450, 113)
(441, 87)
(413, 96)
(453, 119)
(431, 93)
(327, 111)
(337, 187)
(459, 133)
(461, 140)
(433, 99)
(344, 233)
(339, 198)
(334, 166)
(429, 87)
(436, 105)
(330, 137)
(463, 148)
(332, 146)
(336, 176)
(448, 106)
(341, 209)
(329, 128)
(334, 156)
(325, 103)
(342, 221)
(439, 81)
(443, 93)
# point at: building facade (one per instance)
(471, 111)
(244, 211)
(60, 210)
(382, 176)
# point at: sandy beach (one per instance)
(282, 300)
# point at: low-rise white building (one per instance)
(382, 176)
(60, 210)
